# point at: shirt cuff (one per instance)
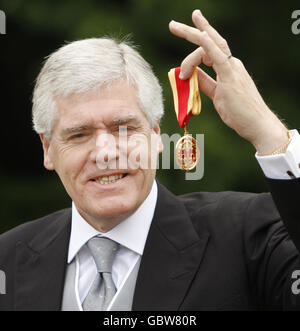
(285, 165)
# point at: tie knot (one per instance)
(103, 251)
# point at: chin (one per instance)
(113, 210)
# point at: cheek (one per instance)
(142, 152)
(70, 162)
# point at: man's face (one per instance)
(82, 145)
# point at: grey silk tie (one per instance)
(103, 288)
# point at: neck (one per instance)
(103, 224)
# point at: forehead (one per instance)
(111, 104)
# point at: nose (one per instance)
(105, 152)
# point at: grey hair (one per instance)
(85, 65)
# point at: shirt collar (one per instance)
(131, 233)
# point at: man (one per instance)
(128, 243)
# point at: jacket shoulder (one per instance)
(196, 201)
(229, 209)
(26, 231)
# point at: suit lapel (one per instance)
(172, 255)
(41, 265)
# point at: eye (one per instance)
(131, 128)
(127, 128)
(123, 128)
(78, 136)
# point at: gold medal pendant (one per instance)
(187, 152)
(187, 103)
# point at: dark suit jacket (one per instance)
(204, 251)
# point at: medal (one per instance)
(187, 153)
(187, 103)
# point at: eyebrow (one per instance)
(125, 120)
(75, 128)
(117, 121)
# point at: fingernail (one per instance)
(174, 24)
(181, 75)
(198, 12)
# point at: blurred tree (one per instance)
(259, 33)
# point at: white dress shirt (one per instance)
(132, 233)
(276, 166)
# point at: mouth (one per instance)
(105, 180)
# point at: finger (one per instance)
(203, 25)
(220, 61)
(184, 31)
(206, 84)
(193, 60)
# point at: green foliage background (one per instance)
(258, 32)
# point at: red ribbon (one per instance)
(183, 93)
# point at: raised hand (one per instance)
(234, 94)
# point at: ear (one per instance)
(156, 129)
(48, 164)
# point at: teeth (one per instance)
(109, 179)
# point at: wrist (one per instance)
(283, 148)
(274, 143)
